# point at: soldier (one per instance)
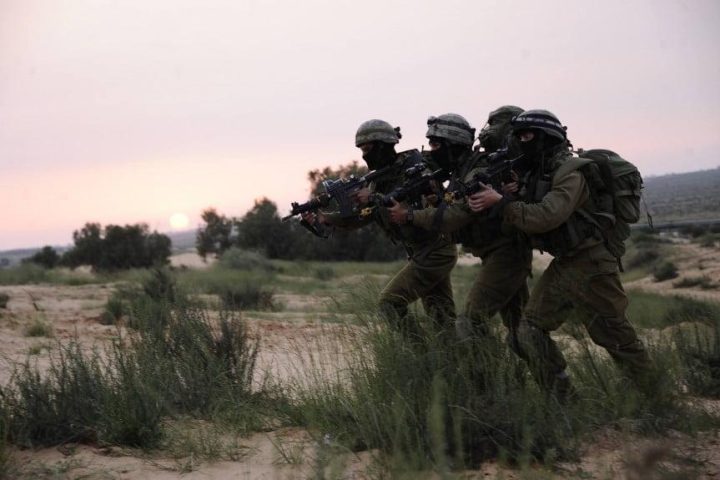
(500, 285)
(583, 274)
(431, 255)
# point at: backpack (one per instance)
(615, 189)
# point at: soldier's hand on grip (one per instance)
(484, 199)
(398, 213)
(361, 196)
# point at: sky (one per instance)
(143, 110)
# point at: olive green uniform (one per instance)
(431, 258)
(583, 275)
(501, 283)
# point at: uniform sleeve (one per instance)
(565, 196)
(454, 217)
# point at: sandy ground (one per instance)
(75, 311)
(692, 261)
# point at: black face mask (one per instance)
(442, 157)
(379, 156)
(494, 136)
(532, 149)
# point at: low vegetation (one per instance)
(192, 365)
(184, 378)
(665, 271)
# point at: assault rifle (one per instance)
(498, 172)
(338, 190)
(418, 182)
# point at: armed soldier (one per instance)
(431, 255)
(500, 285)
(556, 210)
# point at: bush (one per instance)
(239, 259)
(642, 257)
(4, 299)
(160, 285)
(39, 328)
(246, 296)
(665, 271)
(193, 366)
(115, 308)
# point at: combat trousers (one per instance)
(590, 283)
(499, 287)
(426, 278)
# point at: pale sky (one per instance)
(135, 110)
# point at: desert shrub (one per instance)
(324, 273)
(60, 406)
(642, 257)
(699, 352)
(703, 282)
(4, 299)
(194, 366)
(115, 308)
(239, 259)
(160, 285)
(39, 327)
(665, 271)
(246, 296)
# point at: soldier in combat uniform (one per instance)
(582, 275)
(431, 255)
(500, 285)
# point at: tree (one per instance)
(88, 246)
(262, 229)
(215, 237)
(116, 247)
(47, 257)
(316, 177)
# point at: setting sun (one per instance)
(178, 221)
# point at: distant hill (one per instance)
(684, 196)
(183, 240)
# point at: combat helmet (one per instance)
(506, 110)
(376, 131)
(451, 127)
(540, 120)
(493, 135)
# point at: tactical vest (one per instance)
(409, 235)
(580, 226)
